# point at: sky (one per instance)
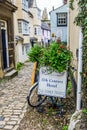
(48, 4)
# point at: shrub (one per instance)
(55, 57)
(19, 65)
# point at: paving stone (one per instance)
(13, 98)
(1, 118)
(2, 122)
(6, 119)
(16, 127)
(8, 127)
(11, 122)
(1, 126)
(21, 116)
(19, 121)
(14, 119)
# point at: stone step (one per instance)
(11, 74)
(8, 69)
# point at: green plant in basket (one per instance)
(60, 56)
(35, 54)
(55, 57)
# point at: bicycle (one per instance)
(35, 100)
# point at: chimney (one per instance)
(34, 3)
(64, 1)
(53, 8)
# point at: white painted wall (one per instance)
(60, 31)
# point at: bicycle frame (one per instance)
(35, 79)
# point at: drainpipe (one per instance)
(79, 72)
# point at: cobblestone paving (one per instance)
(13, 98)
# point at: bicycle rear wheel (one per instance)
(35, 100)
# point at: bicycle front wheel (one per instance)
(35, 100)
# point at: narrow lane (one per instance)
(13, 98)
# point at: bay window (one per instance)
(23, 27)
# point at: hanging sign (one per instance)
(52, 84)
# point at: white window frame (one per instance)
(37, 30)
(39, 14)
(25, 5)
(61, 19)
(25, 48)
(19, 26)
(22, 49)
(23, 27)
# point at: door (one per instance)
(4, 43)
(3, 33)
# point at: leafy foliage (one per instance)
(84, 111)
(65, 127)
(81, 20)
(56, 57)
(69, 87)
(71, 4)
(19, 65)
(35, 53)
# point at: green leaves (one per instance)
(81, 20)
(35, 54)
(71, 4)
(55, 57)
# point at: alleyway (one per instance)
(13, 98)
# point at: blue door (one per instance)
(3, 32)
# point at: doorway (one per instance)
(4, 44)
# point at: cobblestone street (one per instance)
(13, 94)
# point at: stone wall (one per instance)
(78, 121)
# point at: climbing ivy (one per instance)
(81, 20)
(71, 4)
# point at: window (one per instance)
(43, 32)
(25, 5)
(62, 19)
(22, 49)
(25, 49)
(39, 14)
(20, 26)
(23, 27)
(37, 30)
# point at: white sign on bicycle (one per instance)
(52, 84)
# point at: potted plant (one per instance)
(52, 63)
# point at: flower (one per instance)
(55, 57)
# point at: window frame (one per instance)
(37, 30)
(25, 48)
(61, 19)
(24, 27)
(19, 26)
(25, 5)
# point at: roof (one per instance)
(45, 26)
(58, 8)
